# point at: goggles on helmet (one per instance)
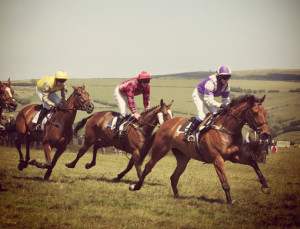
(144, 80)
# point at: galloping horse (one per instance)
(6, 97)
(58, 131)
(221, 142)
(137, 139)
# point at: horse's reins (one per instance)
(221, 128)
(81, 104)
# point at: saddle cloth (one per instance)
(112, 123)
(203, 125)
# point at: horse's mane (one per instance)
(148, 111)
(242, 99)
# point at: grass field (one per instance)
(80, 198)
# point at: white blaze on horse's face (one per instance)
(170, 113)
(9, 92)
(160, 118)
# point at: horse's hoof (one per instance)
(132, 187)
(88, 166)
(20, 166)
(265, 190)
(176, 196)
(69, 165)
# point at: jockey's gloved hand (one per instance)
(63, 101)
(225, 107)
(59, 105)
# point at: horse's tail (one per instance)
(81, 124)
(147, 147)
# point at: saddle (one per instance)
(125, 122)
(47, 118)
(204, 125)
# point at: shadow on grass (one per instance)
(203, 198)
(33, 178)
(125, 181)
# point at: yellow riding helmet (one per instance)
(61, 75)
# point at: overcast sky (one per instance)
(110, 38)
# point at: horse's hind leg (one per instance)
(182, 161)
(19, 140)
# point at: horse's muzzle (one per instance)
(12, 106)
(264, 136)
(89, 108)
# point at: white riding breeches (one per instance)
(52, 96)
(198, 100)
(122, 102)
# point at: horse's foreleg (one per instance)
(219, 166)
(21, 164)
(122, 174)
(81, 152)
(158, 152)
(182, 162)
(264, 188)
(97, 145)
(53, 163)
(27, 149)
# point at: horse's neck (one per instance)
(68, 113)
(149, 122)
(233, 120)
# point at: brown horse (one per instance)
(137, 139)
(58, 130)
(6, 97)
(221, 142)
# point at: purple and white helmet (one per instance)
(224, 70)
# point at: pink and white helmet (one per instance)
(144, 75)
(224, 70)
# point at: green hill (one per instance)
(266, 74)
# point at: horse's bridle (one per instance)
(256, 126)
(81, 103)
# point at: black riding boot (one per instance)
(119, 122)
(42, 115)
(191, 128)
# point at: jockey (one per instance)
(204, 96)
(46, 88)
(124, 95)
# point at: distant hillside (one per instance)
(272, 74)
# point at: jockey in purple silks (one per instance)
(204, 96)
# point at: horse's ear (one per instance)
(74, 87)
(262, 99)
(170, 104)
(8, 82)
(83, 86)
(161, 102)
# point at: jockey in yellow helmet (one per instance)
(46, 90)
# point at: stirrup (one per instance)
(190, 138)
(38, 127)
